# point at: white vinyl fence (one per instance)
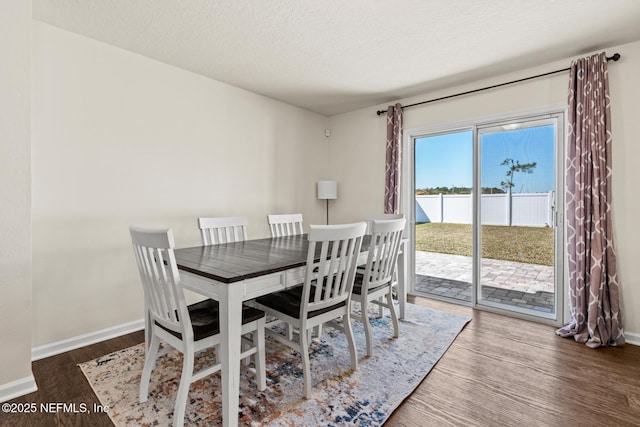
(522, 209)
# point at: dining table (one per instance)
(232, 273)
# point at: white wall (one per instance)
(120, 139)
(15, 200)
(357, 149)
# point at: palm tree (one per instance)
(513, 167)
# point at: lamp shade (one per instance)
(327, 190)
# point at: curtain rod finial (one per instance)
(615, 56)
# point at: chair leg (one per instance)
(259, 357)
(183, 389)
(289, 329)
(351, 340)
(149, 364)
(367, 329)
(394, 316)
(306, 368)
(244, 347)
(147, 329)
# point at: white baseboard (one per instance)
(632, 338)
(51, 349)
(17, 388)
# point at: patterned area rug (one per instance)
(365, 397)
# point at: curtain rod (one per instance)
(615, 57)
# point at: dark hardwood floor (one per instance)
(60, 380)
(500, 371)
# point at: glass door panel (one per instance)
(516, 240)
(444, 215)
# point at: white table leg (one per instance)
(230, 329)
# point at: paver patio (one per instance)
(450, 276)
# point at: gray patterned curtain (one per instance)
(593, 287)
(392, 164)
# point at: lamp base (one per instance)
(327, 211)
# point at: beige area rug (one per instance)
(365, 397)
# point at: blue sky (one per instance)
(447, 160)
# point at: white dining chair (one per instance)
(282, 225)
(378, 216)
(219, 230)
(285, 224)
(189, 329)
(375, 283)
(325, 294)
(383, 216)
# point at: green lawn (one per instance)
(531, 245)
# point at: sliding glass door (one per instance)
(488, 215)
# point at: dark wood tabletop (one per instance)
(233, 262)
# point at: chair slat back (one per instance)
(379, 217)
(164, 298)
(386, 237)
(285, 225)
(215, 231)
(332, 276)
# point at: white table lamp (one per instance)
(327, 190)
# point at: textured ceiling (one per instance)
(334, 56)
